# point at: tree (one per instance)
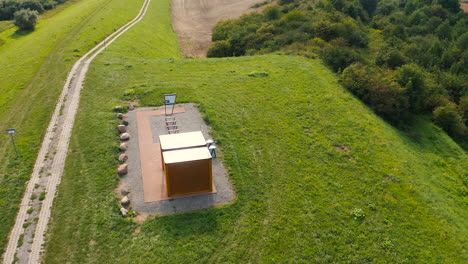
(451, 5)
(449, 119)
(26, 19)
(411, 77)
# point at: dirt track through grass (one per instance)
(31, 81)
(55, 145)
(194, 20)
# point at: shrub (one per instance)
(449, 119)
(358, 79)
(338, 58)
(272, 13)
(26, 19)
(49, 4)
(391, 58)
(388, 101)
(219, 49)
(285, 2)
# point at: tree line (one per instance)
(25, 12)
(401, 57)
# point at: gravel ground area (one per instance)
(188, 121)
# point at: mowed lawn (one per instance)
(319, 177)
(34, 67)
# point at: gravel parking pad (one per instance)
(188, 121)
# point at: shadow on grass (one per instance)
(21, 33)
(426, 136)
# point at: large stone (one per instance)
(119, 108)
(123, 169)
(124, 122)
(125, 201)
(122, 128)
(123, 211)
(125, 136)
(120, 116)
(123, 147)
(124, 191)
(131, 107)
(123, 157)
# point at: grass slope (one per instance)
(34, 68)
(302, 152)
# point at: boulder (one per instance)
(123, 211)
(125, 136)
(120, 116)
(123, 147)
(122, 128)
(125, 201)
(131, 107)
(124, 191)
(122, 169)
(119, 108)
(123, 157)
(124, 122)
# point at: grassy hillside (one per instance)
(34, 67)
(319, 178)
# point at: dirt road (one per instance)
(193, 21)
(50, 162)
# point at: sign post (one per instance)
(12, 132)
(169, 99)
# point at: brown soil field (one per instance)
(194, 20)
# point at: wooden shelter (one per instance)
(187, 163)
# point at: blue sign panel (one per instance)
(11, 131)
(170, 99)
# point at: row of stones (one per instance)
(123, 168)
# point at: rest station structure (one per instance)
(187, 163)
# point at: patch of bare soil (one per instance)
(194, 20)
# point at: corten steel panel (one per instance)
(189, 177)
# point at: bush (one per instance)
(272, 13)
(449, 119)
(357, 78)
(49, 4)
(338, 58)
(26, 19)
(220, 49)
(388, 101)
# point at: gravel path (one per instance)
(27, 236)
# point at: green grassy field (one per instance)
(34, 67)
(319, 177)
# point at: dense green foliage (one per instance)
(26, 19)
(9, 7)
(34, 67)
(417, 48)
